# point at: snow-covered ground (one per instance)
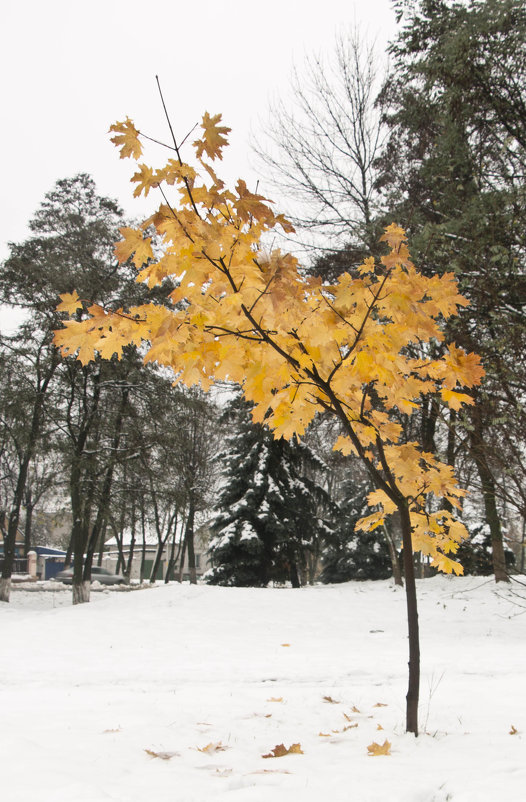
(176, 692)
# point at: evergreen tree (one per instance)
(453, 172)
(476, 555)
(267, 513)
(350, 554)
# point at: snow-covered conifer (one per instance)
(267, 515)
(350, 554)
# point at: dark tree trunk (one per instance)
(173, 559)
(82, 499)
(294, 576)
(79, 535)
(189, 540)
(127, 567)
(430, 410)
(143, 543)
(118, 534)
(12, 529)
(157, 562)
(450, 450)
(393, 554)
(28, 523)
(69, 551)
(183, 557)
(488, 492)
(413, 690)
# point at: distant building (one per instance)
(202, 564)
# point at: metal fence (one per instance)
(19, 565)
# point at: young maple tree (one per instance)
(358, 349)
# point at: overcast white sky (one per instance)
(70, 69)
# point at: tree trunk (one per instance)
(157, 562)
(413, 690)
(488, 492)
(81, 592)
(29, 520)
(294, 576)
(79, 536)
(143, 543)
(127, 566)
(189, 540)
(393, 554)
(183, 557)
(5, 589)
(173, 559)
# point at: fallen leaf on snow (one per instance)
(330, 700)
(355, 709)
(375, 749)
(211, 748)
(513, 731)
(281, 750)
(324, 734)
(379, 727)
(275, 699)
(380, 704)
(105, 732)
(162, 755)
(285, 644)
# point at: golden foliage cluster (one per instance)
(362, 347)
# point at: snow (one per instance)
(89, 694)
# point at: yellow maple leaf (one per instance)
(455, 400)
(212, 747)
(375, 749)
(145, 180)
(447, 565)
(249, 205)
(394, 236)
(344, 444)
(69, 302)
(127, 139)
(133, 242)
(281, 750)
(214, 137)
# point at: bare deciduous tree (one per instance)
(321, 145)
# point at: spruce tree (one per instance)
(267, 513)
(350, 554)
